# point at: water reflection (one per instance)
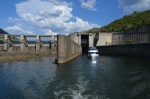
(94, 61)
(26, 79)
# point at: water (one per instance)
(109, 77)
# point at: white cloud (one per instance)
(10, 19)
(79, 25)
(130, 6)
(49, 32)
(48, 17)
(17, 30)
(89, 4)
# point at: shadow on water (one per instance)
(109, 77)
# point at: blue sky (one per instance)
(63, 16)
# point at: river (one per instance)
(109, 77)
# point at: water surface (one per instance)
(109, 77)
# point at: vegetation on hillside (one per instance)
(137, 19)
(3, 32)
(1, 38)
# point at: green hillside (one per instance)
(3, 32)
(137, 19)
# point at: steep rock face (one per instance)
(3, 32)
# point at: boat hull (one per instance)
(93, 56)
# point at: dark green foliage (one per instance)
(137, 19)
(129, 42)
(3, 32)
(95, 30)
(1, 38)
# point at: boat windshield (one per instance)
(92, 52)
(92, 48)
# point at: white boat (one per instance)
(93, 53)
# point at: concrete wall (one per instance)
(104, 39)
(122, 38)
(140, 38)
(75, 37)
(142, 49)
(91, 40)
(136, 35)
(143, 29)
(67, 49)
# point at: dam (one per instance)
(32, 43)
(70, 46)
(66, 47)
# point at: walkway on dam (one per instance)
(24, 42)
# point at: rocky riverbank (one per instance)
(4, 57)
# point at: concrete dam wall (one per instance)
(115, 43)
(136, 36)
(67, 49)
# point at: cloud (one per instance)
(79, 25)
(89, 4)
(17, 30)
(10, 19)
(49, 32)
(49, 17)
(129, 6)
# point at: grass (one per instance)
(26, 52)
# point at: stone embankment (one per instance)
(5, 57)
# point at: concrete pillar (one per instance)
(113, 39)
(53, 43)
(6, 42)
(91, 40)
(67, 49)
(61, 48)
(79, 39)
(22, 43)
(38, 40)
(123, 38)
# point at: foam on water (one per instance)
(78, 91)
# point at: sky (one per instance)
(46, 17)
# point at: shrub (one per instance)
(129, 42)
